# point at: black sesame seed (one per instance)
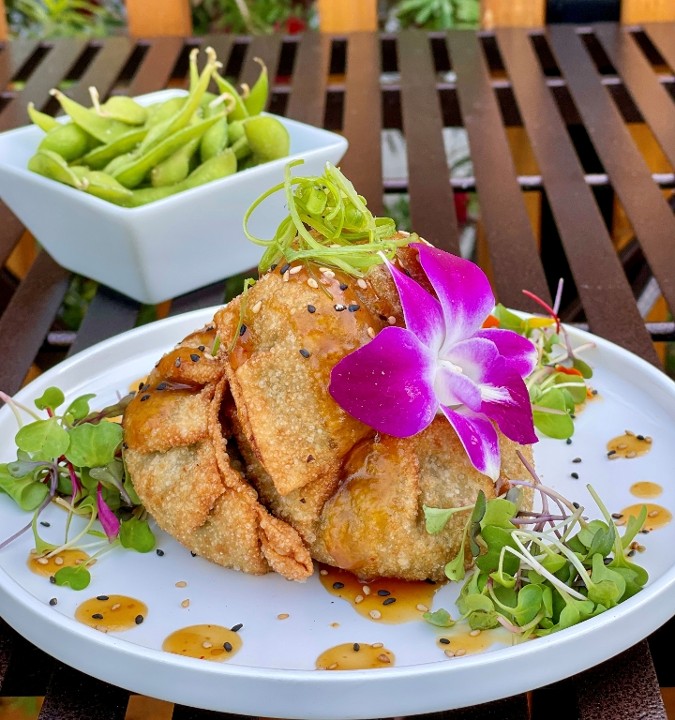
(102, 597)
(343, 286)
(356, 647)
(310, 458)
(611, 452)
(237, 627)
(640, 437)
(227, 646)
(444, 641)
(576, 505)
(576, 460)
(163, 386)
(97, 616)
(630, 553)
(53, 602)
(575, 475)
(159, 552)
(242, 329)
(353, 307)
(193, 553)
(617, 516)
(311, 309)
(138, 619)
(52, 580)
(44, 523)
(645, 531)
(338, 585)
(144, 398)
(194, 357)
(383, 593)
(389, 601)
(569, 441)
(177, 362)
(284, 268)
(305, 353)
(273, 267)
(594, 392)
(429, 581)
(201, 347)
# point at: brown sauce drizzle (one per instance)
(629, 445)
(646, 489)
(456, 643)
(355, 656)
(657, 515)
(204, 642)
(48, 566)
(111, 613)
(373, 599)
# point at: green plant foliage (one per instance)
(64, 18)
(255, 17)
(438, 14)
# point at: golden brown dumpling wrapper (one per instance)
(175, 453)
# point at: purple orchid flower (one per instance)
(442, 361)
(108, 519)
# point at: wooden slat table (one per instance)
(574, 93)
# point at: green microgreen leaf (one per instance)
(26, 492)
(77, 577)
(51, 398)
(94, 445)
(136, 534)
(79, 408)
(43, 439)
(439, 618)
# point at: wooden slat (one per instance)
(642, 199)
(582, 230)
(512, 245)
(53, 68)
(662, 34)
(155, 69)
(653, 100)
(72, 694)
(363, 119)
(204, 297)
(104, 70)
(12, 58)
(623, 687)
(307, 102)
(109, 313)
(432, 208)
(28, 317)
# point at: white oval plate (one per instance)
(273, 674)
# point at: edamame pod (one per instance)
(42, 120)
(256, 100)
(133, 174)
(100, 156)
(102, 128)
(217, 167)
(104, 186)
(268, 137)
(176, 167)
(214, 140)
(241, 148)
(51, 165)
(70, 141)
(124, 109)
(163, 111)
(238, 111)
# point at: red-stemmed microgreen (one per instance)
(73, 459)
(538, 572)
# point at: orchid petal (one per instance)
(455, 388)
(463, 290)
(521, 352)
(479, 438)
(422, 312)
(388, 383)
(474, 356)
(107, 518)
(513, 414)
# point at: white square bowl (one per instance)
(168, 247)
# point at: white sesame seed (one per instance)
(282, 616)
(422, 608)
(285, 276)
(312, 283)
(116, 606)
(391, 320)
(332, 667)
(43, 561)
(366, 589)
(474, 633)
(375, 614)
(449, 653)
(323, 571)
(206, 644)
(383, 657)
(362, 283)
(58, 560)
(652, 513)
(377, 645)
(459, 652)
(371, 332)
(181, 584)
(295, 269)
(185, 603)
(256, 308)
(358, 599)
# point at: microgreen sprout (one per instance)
(557, 385)
(328, 223)
(74, 461)
(538, 572)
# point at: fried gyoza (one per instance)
(254, 466)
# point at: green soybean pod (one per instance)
(214, 140)
(256, 100)
(217, 167)
(176, 167)
(70, 141)
(267, 137)
(42, 120)
(51, 165)
(102, 128)
(161, 111)
(104, 186)
(238, 111)
(100, 156)
(235, 130)
(124, 109)
(241, 148)
(132, 174)
(120, 161)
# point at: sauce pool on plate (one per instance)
(204, 642)
(112, 613)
